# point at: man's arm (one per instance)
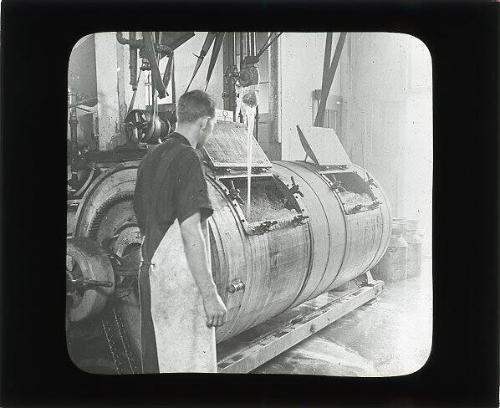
(196, 254)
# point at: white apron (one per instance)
(184, 343)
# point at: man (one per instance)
(180, 306)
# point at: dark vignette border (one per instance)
(37, 38)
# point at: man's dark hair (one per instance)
(194, 105)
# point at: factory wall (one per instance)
(390, 119)
(384, 83)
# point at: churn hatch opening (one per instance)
(227, 148)
(354, 192)
(270, 200)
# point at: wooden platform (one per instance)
(249, 350)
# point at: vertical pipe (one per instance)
(250, 126)
(248, 49)
(73, 120)
(244, 45)
(228, 63)
(233, 68)
(73, 127)
(153, 96)
(252, 42)
(148, 85)
(241, 49)
(275, 93)
(120, 90)
(133, 61)
(234, 48)
(174, 98)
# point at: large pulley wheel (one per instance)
(90, 278)
(107, 217)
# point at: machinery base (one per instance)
(256, 346)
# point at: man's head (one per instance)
(196, 110)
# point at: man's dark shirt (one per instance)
(170, 184)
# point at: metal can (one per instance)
(413, 237)
(394, 264)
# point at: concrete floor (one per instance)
(388, 336)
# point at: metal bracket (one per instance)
(357, 208)
(374, 205)
(263, 227)
(337, 185)
(234, 193)
(294, 189)
(299, 219)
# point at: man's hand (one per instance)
(215, 310)
(196, 254)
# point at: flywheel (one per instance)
(89, 276)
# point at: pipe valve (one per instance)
(236, 286)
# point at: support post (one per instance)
(108, 117)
